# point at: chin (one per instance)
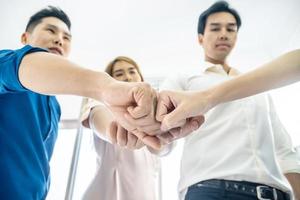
(223, 54)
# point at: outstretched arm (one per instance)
(50, 74)
(46, 73)
(280, 72)
(100, 120)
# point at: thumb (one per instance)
(143, 97)
(174, 119)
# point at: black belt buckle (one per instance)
(260, 192)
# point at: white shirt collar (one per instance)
(218, 68)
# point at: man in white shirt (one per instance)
(242, 151)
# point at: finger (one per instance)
(191, 125)
(139, 144)
(164, 104)
(152, 129)
(121, 136)
(143, 97)
(144, 121)
(112, 132)
(119, 114)
(166, 137)
(174, 119)
(175, 132)
(151, 141)
(131, 140)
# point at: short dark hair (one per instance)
(219, 6)
(50, 11)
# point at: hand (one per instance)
(124, 99)
(180, 132)
(119, 135)
(182, 110)
(147, 124)
(135, 97)
(122, 137)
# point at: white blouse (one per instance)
(121, 174)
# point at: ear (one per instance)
(200, 39)
(24, 38)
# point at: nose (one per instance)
(128, 77)
(58, 40)
(223, 34)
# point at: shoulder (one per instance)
(18, 54)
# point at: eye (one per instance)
(132, 72)
(118, 74)
(231, 30)
(214, 29)
(67, 38)
(50, 30)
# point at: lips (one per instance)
(223, 45)
(55, 50)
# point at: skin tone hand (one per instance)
(180, 132)
(177, 111)
(156, 138)
(147, 124)
(133, 99)
(122, 137)
(128, 98)
(119, 135)
(134, 96)
(148, 127)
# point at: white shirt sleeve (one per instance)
(104, 137)
(287, 156)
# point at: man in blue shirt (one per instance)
(29, 114)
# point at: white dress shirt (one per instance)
(121, 174)
(242, 140)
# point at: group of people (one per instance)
(233, 149)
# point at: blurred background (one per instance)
(161, 36)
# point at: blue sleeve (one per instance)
(9, 68)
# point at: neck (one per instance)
(219, 62)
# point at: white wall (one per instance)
(161, 36)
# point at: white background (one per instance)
(161, 36)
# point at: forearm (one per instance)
(50, 74)
(280, 72)
(294, 180)
(99, 120)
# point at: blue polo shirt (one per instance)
(28, 130)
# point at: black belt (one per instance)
(262, 192)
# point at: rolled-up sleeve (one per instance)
(288, 158)
(88, 104)
(9, 68)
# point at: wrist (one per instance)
(103, 84)
(213, 98)
(218, 94)
(210, 99)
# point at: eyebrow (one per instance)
(119, 70)
(218, 24)
(122, 70)
(56, 28)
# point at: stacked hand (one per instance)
(144, 116)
